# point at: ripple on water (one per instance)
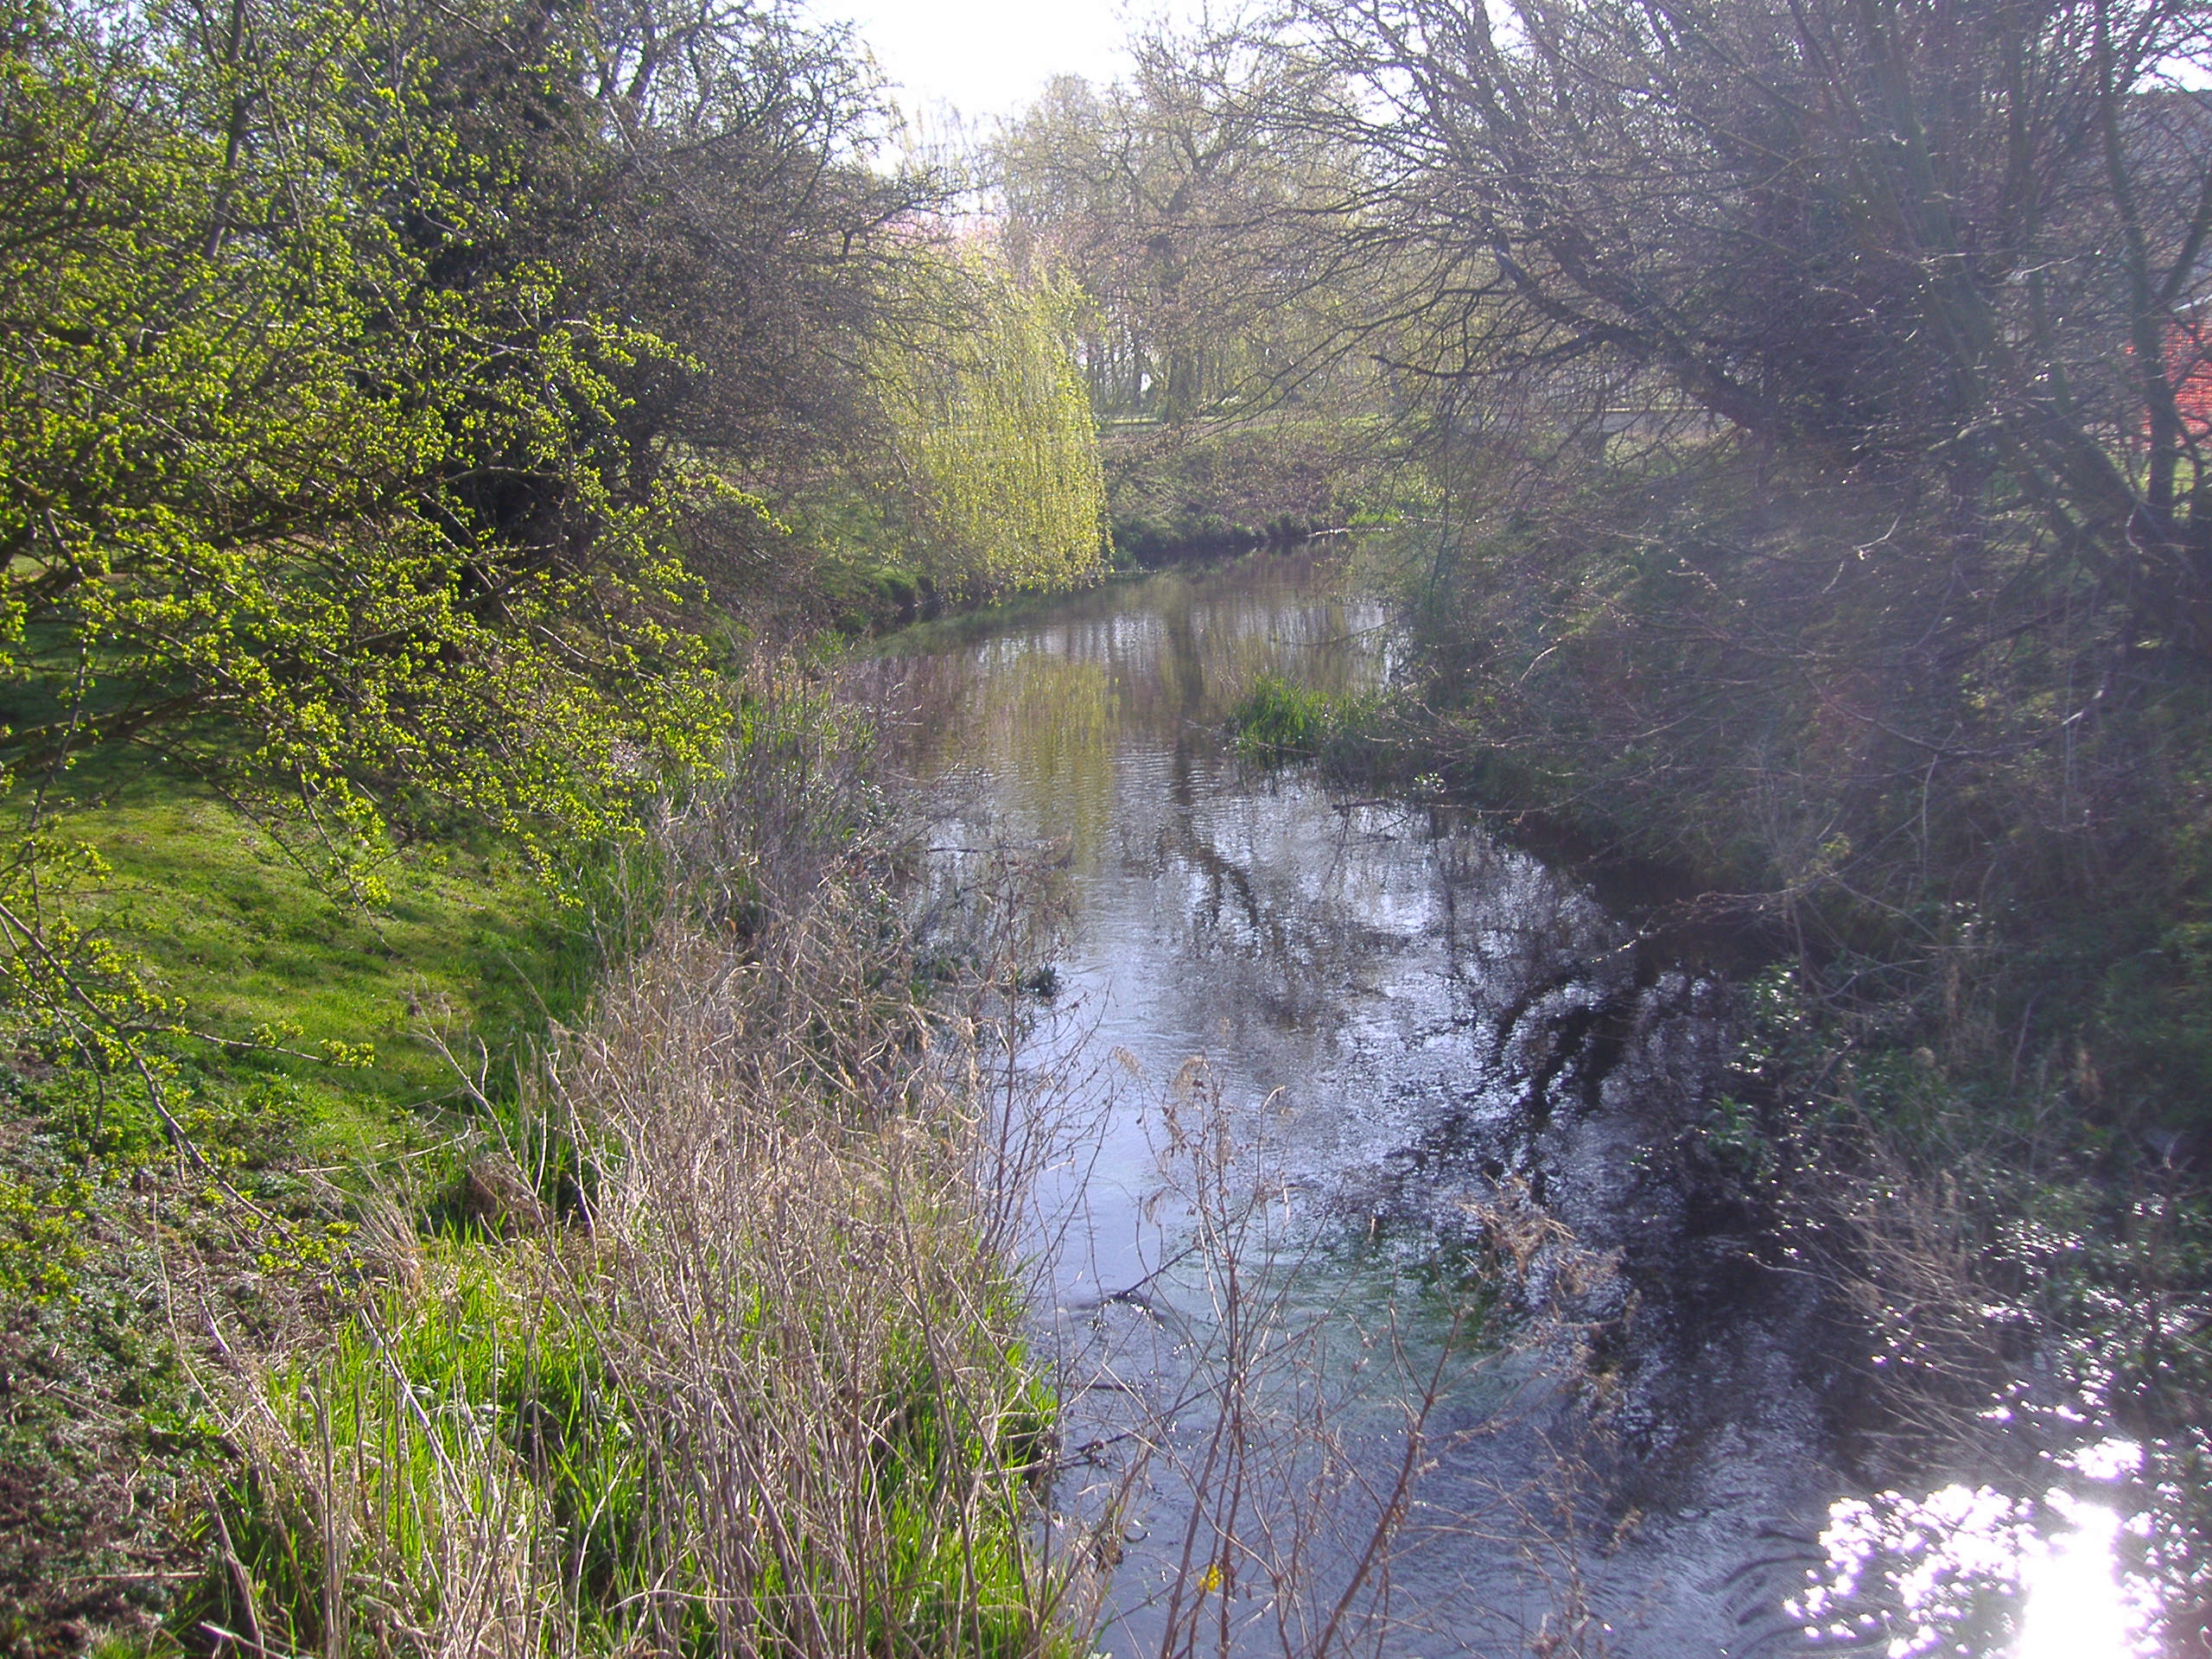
(1969, 1570)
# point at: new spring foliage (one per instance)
(246, 426)
(993, 429)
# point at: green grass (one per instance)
(102, 1464)
(469, 941)
(453, 1396)
(465, 1422)
(1281, 720)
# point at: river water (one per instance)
(1377, 1119)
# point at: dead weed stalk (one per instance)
(759, 1385)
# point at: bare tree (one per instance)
(1954, 250)
(1187, 210)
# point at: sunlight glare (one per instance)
(2079, 1603)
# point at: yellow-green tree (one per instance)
(991, 428)
(289, 505)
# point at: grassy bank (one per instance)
(743, 1372)
(309, 1082)
(564, 1267)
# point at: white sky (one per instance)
(987, 58)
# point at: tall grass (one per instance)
(758, 1385)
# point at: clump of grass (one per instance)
(388, 1503)
(1281, 720)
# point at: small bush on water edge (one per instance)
(1282, 720)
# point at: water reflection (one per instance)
(1444, 1046)
(1058, 715)
(1969, 1570)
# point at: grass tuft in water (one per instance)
(1280, 720)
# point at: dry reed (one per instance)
(760, 1386)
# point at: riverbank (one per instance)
(308, 1093)
(1968, 1103)
(466, 1340)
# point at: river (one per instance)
(1376, 1122)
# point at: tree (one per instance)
(362, 371)
(987, 416)
(1811, 380)
(1177, 200)
(250, 445)
(1945, 249)
(700, 174)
